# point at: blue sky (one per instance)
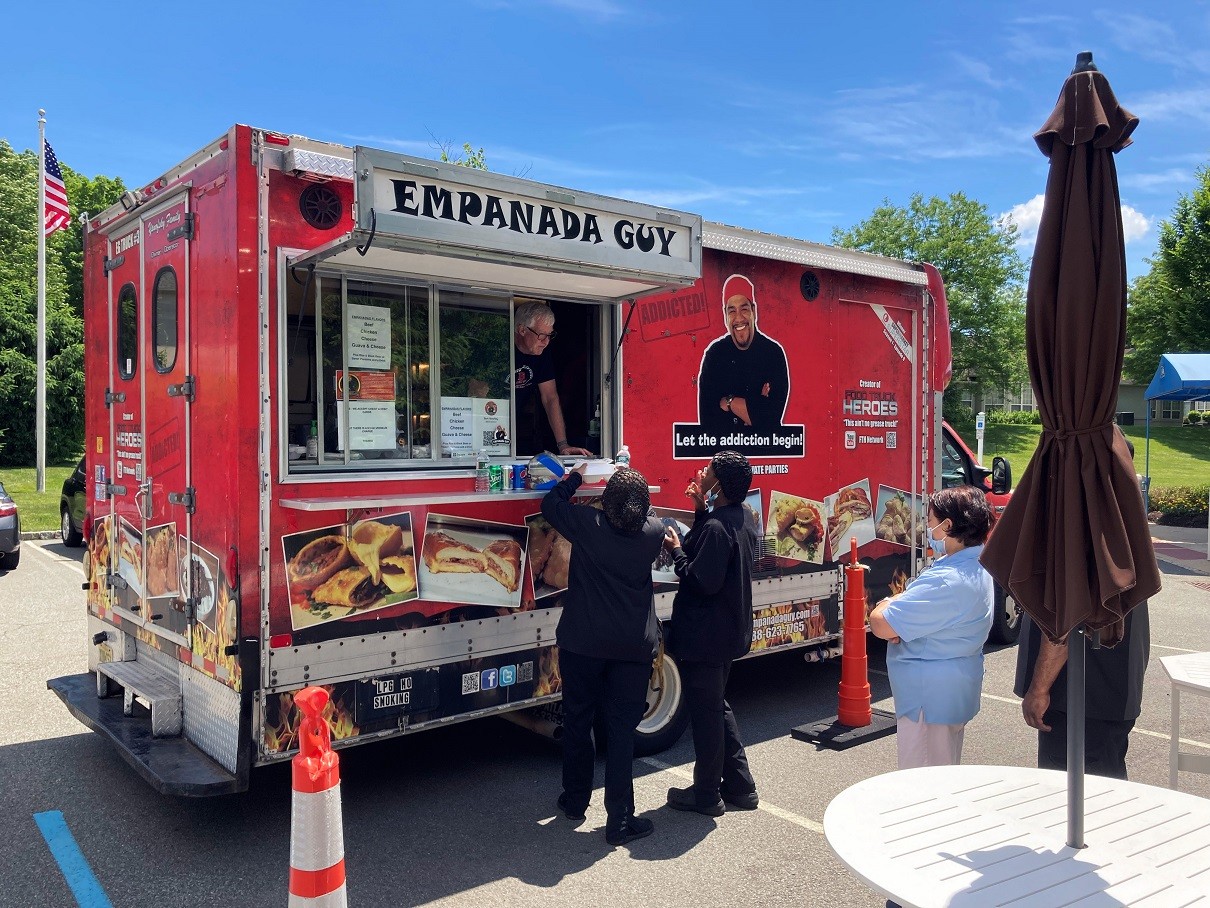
(792, 118)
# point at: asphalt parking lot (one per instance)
(465, 816)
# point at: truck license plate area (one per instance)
(388, 696)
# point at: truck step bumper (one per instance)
(171, 766)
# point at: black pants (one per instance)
(618, 692)
(720, 757)
(1105, 744)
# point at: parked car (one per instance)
(71, 506)
(10, 532)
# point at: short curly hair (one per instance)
(626, 500)
(967, 510)
(734, 474)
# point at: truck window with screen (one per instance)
(384, 376)
(128, 332)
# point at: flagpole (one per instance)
(40, 401)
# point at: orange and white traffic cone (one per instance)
(854, 709)
(317, 845)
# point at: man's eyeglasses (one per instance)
(539, 334)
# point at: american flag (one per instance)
(57, 215)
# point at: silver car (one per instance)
(10, 532)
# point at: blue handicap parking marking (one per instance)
(63, 848)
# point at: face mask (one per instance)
(936, 545)
(712, 496)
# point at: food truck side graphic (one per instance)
(297, 354)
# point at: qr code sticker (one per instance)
(892, 440)
(525, 672)
(470, 683)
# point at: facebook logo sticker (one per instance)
(508, 675)
(488, 679)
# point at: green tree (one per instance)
(983, 275)
(19, 223)
(1168, 309)
(470, 157)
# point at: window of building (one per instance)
(164, 320)
(128, 332)
(1167, 409)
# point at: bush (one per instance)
(1192, 418)
(958, 415)
(1182, 506)
(1014, 418)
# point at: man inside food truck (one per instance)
(538, 428)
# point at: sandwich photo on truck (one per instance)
(301, 358)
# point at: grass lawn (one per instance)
(38, 511)
(1180, 455)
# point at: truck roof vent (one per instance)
(321, 206)
(808, 285)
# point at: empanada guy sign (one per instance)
(491, 212)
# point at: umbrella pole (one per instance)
(1075, 738)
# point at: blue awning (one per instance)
(1181, 376)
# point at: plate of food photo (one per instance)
(797, 527)
(850, 515)
(472, 562)
(549, 557)
(661, 568)
(341, 571)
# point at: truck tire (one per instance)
(1006, 619)
(666, 717)
(71, 537)
(11, 560)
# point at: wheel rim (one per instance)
(663, 693)
(1012, 614)
(65, 526)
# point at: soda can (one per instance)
(506, 482)
(520, 474)
(496, 475)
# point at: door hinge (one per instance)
(114, 488)
(114, 263)
(116, 581)
(191, 605)
(183, 230)
(112, 398)
(185, 389)
(185, 498)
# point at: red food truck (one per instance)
(302, 423)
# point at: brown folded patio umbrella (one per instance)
(1073, 545)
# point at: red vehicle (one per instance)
(300, 364)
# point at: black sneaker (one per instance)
(628, 830)
(571, 813)
(686, 799)
(746, 801)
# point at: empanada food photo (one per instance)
(399, 573)
(371, 541)
(351, 588)
(317, 561)
(445, 554)
(504, 562)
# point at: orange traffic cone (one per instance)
(317, 846)
(854, 709)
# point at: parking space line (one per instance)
(63, 848)
(1175, 649)
(780, 813)
(55, 559)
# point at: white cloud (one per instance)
(1175, 179)
(1028, 215)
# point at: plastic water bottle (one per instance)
(483, 482)
(622, 459)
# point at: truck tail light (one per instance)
(278, 641)
(87, 525)
(275, 138)
(232, 568)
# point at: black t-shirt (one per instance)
(533, 430)
(728, 371)
(1113, 678)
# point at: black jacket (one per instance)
(712, 611)
(609, 606)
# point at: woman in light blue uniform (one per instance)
(936, 629)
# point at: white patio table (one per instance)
(996, 835)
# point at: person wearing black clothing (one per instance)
(744, 380)
(534, 384)
(607, 639)
(711, 627)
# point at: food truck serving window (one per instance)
(398, 375)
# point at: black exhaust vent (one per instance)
(320, 206)
(808, 285)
